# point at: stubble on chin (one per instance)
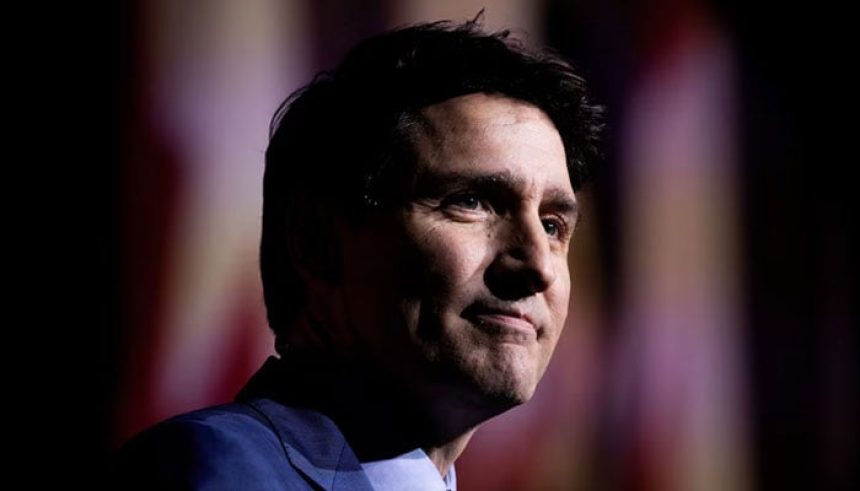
(492, 377)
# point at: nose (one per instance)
(523, 265)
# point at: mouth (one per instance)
(507, 323)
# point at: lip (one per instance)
(508, 323)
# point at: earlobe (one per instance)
(314, 244)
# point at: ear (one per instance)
(315, 244)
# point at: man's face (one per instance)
(464, 291)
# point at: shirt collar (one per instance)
(413, 468)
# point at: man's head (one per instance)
(419, 202)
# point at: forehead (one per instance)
(481, 134)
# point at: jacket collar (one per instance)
(312, 442)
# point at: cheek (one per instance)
(445, 263)
(558, 296)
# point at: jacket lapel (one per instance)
(314, 446)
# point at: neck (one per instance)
(443, 456)
(379, 416)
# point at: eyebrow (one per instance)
(430, 183)
(560, 201)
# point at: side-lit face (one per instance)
(464, 290)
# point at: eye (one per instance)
(465, 201)
(554, 227)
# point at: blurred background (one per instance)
(711, 342)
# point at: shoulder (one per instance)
(231, 446)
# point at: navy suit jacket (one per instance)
(255, 443)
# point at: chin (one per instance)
(500, 390)
(514, 395)
(490, 377)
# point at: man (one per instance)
(419, 205)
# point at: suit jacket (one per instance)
(256, 442)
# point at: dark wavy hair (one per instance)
(343, 140)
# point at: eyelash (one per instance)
(560, 226)
(456, 200)
(480, 204)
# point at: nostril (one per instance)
(542, 276)
(524, 263)
(520, 273)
